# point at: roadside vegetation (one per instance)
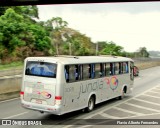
(22, 34)
(12, 65)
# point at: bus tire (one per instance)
(91, 104)
(122, 94)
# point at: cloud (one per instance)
(112, 22)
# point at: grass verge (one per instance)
(12, 65)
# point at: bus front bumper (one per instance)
(56, 109)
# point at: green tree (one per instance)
(143, 52)
(21, 37)
(101, 45)
(78, 44)
(29, 11)
(56, 24)
(111, 49)
(11, 27)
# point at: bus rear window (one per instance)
(42, 69)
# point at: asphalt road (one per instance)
(143, 103)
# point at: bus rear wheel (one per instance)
(91, 104)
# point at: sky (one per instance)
(129, 24)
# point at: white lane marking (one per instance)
(152, 96)
(158, 88)
(108, 116)
(9, 100)
(153, 103)
(100, 123)
(138, 106)
(88, 117)
(16, 115)
(128, 111)
(121, 102)
(154, 91)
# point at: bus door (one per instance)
(72, 87)
(40, 82)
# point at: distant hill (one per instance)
(154, 53)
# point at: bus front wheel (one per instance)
(91, 104)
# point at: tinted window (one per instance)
(42, 69)
(125, 67)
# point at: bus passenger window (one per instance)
(76, 72)
(86, 72)
(71, 73)
(111, 68)
(80, 72)
(66, 70)
(120, 68)
(102, 69)
(92, 71)
(89, 71)
(107, 69)
(125, 67)
(97, 70)
(116, 68)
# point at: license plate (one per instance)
(39, 101)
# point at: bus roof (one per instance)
(80, 59)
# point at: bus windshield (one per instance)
(42, 69)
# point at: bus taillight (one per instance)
(58, 97)
(58, 100)
(21, 95)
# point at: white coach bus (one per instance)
(59, 85)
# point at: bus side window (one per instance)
(86, 72)
(107, 69)
(116, 68)
(89, 71)
(97, 70)
(111, 68)
(102, 69)
(80, 72)
(76, 73)
(92, 71)
(125, 67)
(120, 68)
(66, 70)
(72, 73)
